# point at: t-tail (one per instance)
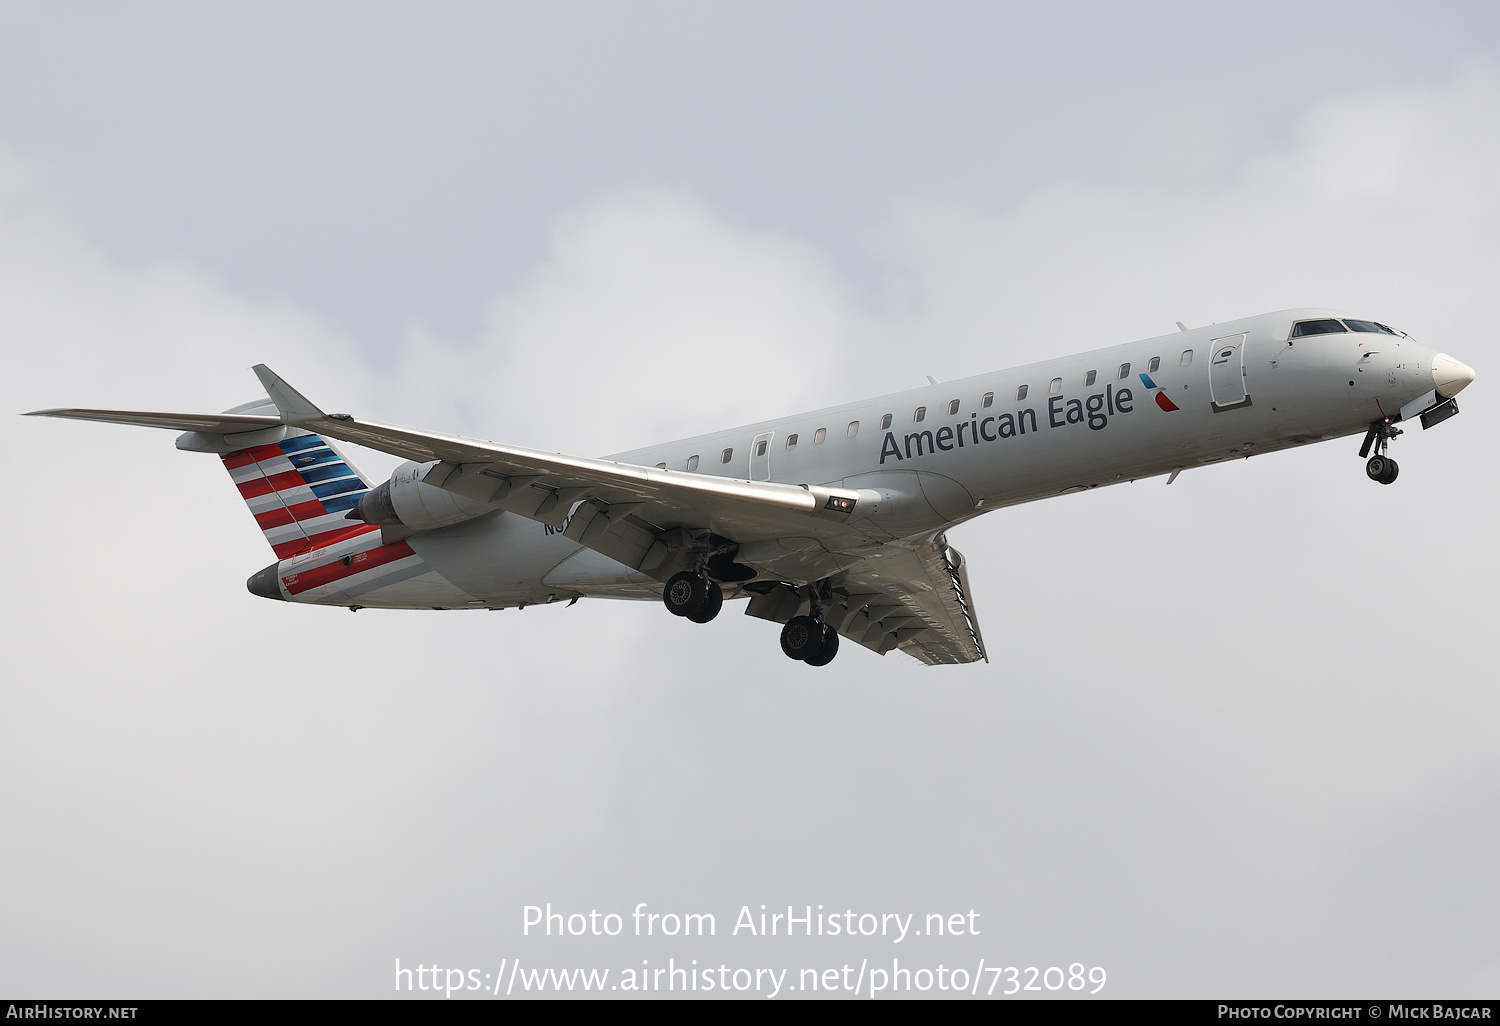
(298, 486)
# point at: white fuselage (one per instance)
(922, 463)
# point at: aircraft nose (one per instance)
(1449, 376)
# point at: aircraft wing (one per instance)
(915, 598)
(633, 514)
(214, 423)
(546, 486)
(626, 508)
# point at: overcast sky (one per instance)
(1237, 737)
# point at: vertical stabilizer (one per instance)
(298, 488)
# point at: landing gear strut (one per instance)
(1380, 466)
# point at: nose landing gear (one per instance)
(1380, 466)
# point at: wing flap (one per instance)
(917, 600)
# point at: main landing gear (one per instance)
(812, 641)
(1380, 466)
(804, 638)
(693, 596)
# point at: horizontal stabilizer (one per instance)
(207, 423)
(294, 406)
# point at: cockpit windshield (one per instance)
(1373, 326)
(1325, 326)
(1333, 326)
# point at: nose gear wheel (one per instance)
(1382, 469)
(1380, 466)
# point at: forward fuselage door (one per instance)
(1226, 371)
(760, 456)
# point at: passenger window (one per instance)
(885, 422)
(661, 466)
(819, 435)
(988, 400)
(853, 428)
(791, 441)
(760, 449)
(1325, 326)
(1021, 392)
(692, 463)
(920, 415)
(1154, 365)
(1187, 357)
(726, 455)
(1124, 370)
(1089, 378)
(1055, 387)
(953, 407)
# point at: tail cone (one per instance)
(265, 584)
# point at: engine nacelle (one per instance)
(408, 501)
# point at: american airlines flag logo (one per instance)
(1166, 404)
(298, 490)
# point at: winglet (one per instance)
(295, 407)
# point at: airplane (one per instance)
(831, 523)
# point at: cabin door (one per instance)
(760, 457)
(1226, 371)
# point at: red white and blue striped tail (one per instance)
(299, 489)
(297, 485)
